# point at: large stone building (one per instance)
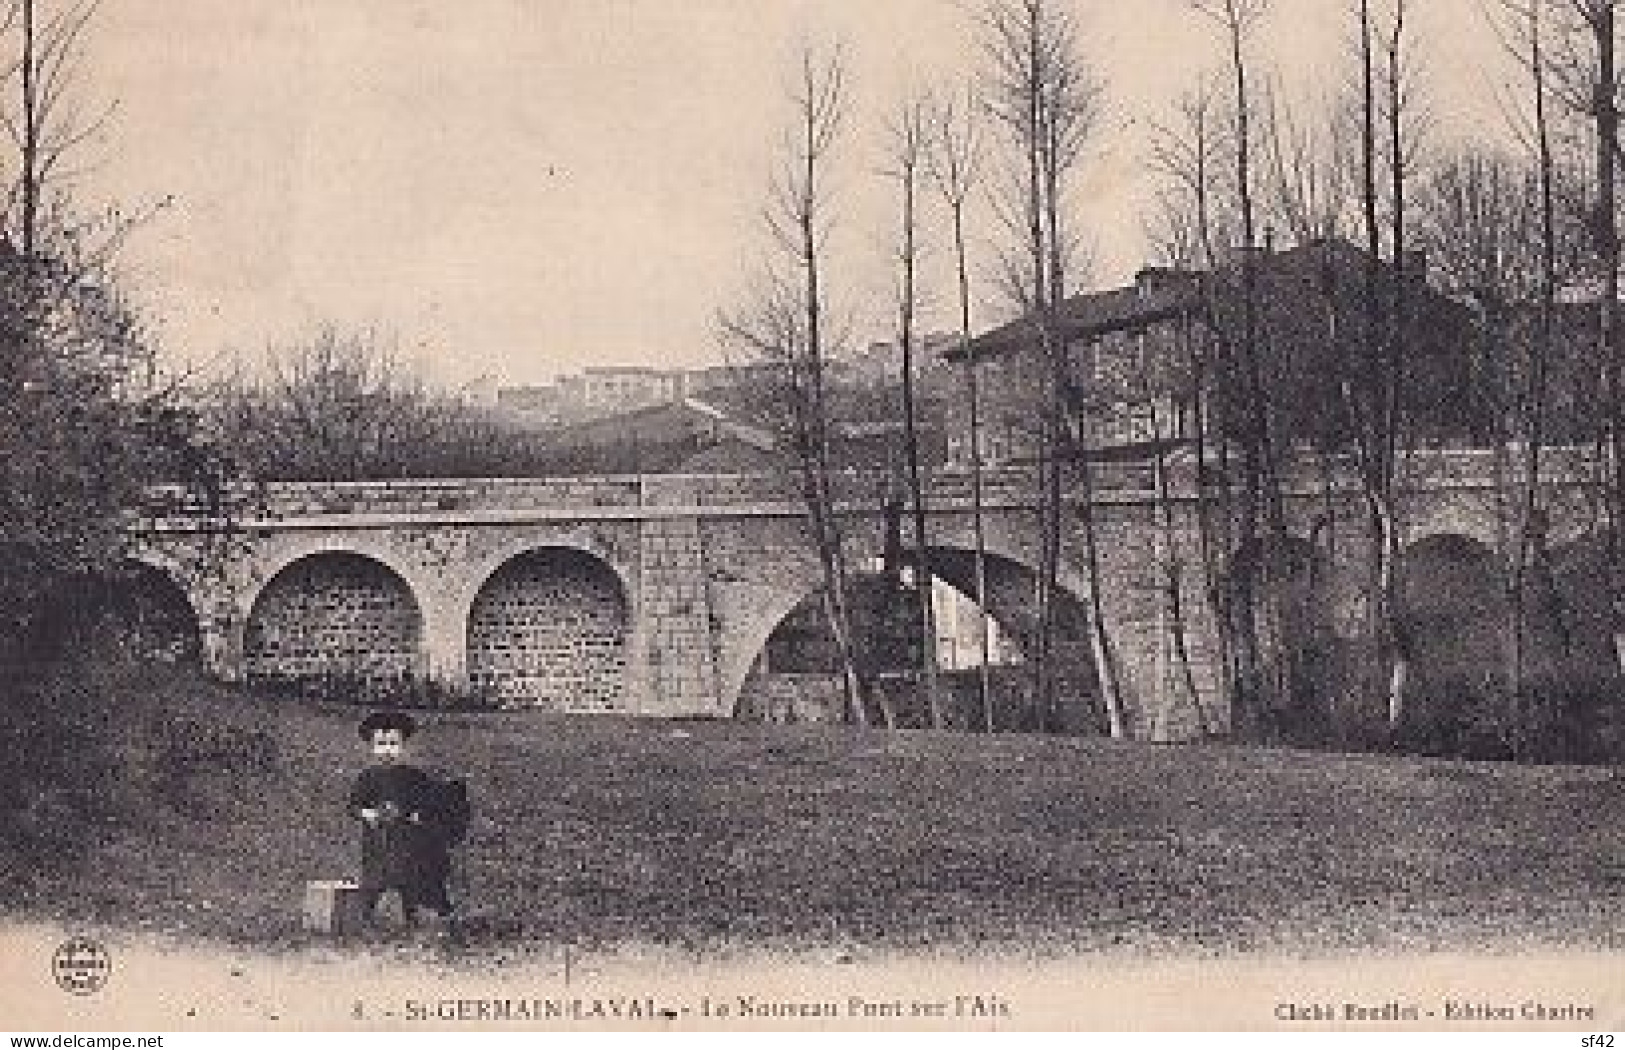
(1137, 355)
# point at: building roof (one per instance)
(1289, 281)
(1097, 313)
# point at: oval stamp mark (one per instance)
(81, 966)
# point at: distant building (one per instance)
(703, 381)
(597, 391)
(881, 362)
(480, 393)
(1135, 355)
(601, 391)
(617, 388)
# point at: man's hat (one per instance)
(380, 720)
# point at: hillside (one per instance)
(721, 839)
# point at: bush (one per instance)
(54, 799)
(408, 691)
(1555, 719)
(86, 757)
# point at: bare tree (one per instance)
(1306, 191)
(909, 140)
(1264, 656)
(1188, 155)
(788, 322)
(1578, 61)
(1600, 21)
(1392, 380)
(47, 121)
(87, 422)
(346, 405)
(1530, 549)
(955, 160)
(1045, 97)
(1511, 242)
(1197, 197)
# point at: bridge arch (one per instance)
(1467, 513)
(487, 560)
(551, 627)
(1451, 617)
(1009, 602)
(334, 613)
(138, 608)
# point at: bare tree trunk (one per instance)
(1209, 543)
(984, 629)
(820, 508)
(1105, 667)
(1532, 404)
(30, 175)
(787, 324)
(1391, 383)
(1606, 108)
(1049, 471)
(821, 116)
(973, 397)
(908, 154)
(1046, 96)
(1100, 644)
(1189, 164)
(1173, 572)
(1261, 512)
(955, 161)
(1394, 377)
(1368, 401)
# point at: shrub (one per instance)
(407, 691)
(88, 755)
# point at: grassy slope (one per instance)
(721, 838)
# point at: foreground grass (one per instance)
(721, 839)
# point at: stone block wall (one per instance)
(1169, 694)
(550, 630)
(677, 614)
(334, 614)
(787, 698)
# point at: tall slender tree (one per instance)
(1044, 95)
(1187, 154)
(955, 162)
(87, 420)
(1264, 655)
(909, 143)
(1600, 19)
(47, 120)
(787, 320)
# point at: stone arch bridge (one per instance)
(656, 595)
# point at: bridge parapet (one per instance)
(1482, 467)
(409, 496)
(171, 508)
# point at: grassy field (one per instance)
(721, 840)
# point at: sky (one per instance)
(522, 188)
